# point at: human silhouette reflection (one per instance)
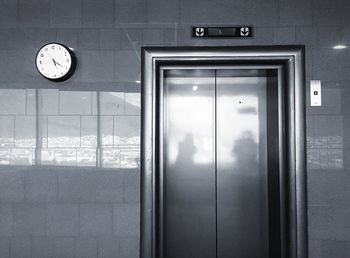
(243, 201)
(245, 152)
(190, 203)
(187, 150)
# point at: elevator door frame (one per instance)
(289, 61)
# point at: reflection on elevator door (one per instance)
(215, 164)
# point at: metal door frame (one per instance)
(291, 59)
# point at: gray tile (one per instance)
(63, 220)
(297, 12)
(65, 13)
(306, 35)
(8, 14)
(106, 187)
(314, 247)
(86, 247)
(126, 220)
(330, 12)
(329, 36)
(153, 36)
(284, 35)
(41, 186)
(110, 39)
(29, 220)
(130, 12)
(330, 64)
(6, 219)
(64, 247)
(11, 186)
(128, 67)
(5, 247)
(99, 66)
(20, 247)
(131, 38)
(35, 13)
(129, 248)
(98, 13)
(89, 39)
(329, 223)
(163, 11)
(108, 247)
(69, 37)
(222, 11)
(132, 186)
(73, 186)
(328, 187)
(96, 219)
(336, 249)
(42, 247)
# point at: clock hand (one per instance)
(54, 62)
(58, 64)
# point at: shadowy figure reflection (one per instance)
(245, 152)
(190, 204)
(187, 150)
(244, 201)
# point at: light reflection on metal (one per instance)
(339, 47)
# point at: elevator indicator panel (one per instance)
(315, 93)
(222, 32)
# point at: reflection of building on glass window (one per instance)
(69, 128)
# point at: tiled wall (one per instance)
(49, 211)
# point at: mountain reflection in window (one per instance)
(69, 128)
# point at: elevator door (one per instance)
(215, 163)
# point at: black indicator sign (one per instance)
(223, 32)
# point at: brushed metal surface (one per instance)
(242, 189)
(189, 170)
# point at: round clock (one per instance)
(55, 62)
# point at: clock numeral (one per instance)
(40, 62)
(53, 47)
(65, 53)
(42, 55)
(46, 49)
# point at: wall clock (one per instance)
(56, 62)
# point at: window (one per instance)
(69, 128)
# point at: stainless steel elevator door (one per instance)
(189, 168)
(241, 140)
(214, 152)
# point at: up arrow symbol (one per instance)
(244, 31)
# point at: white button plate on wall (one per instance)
(315, 93)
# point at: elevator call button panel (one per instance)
(315, 93)
(222, 32)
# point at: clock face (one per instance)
(55, 61)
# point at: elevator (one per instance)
(223, 153)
